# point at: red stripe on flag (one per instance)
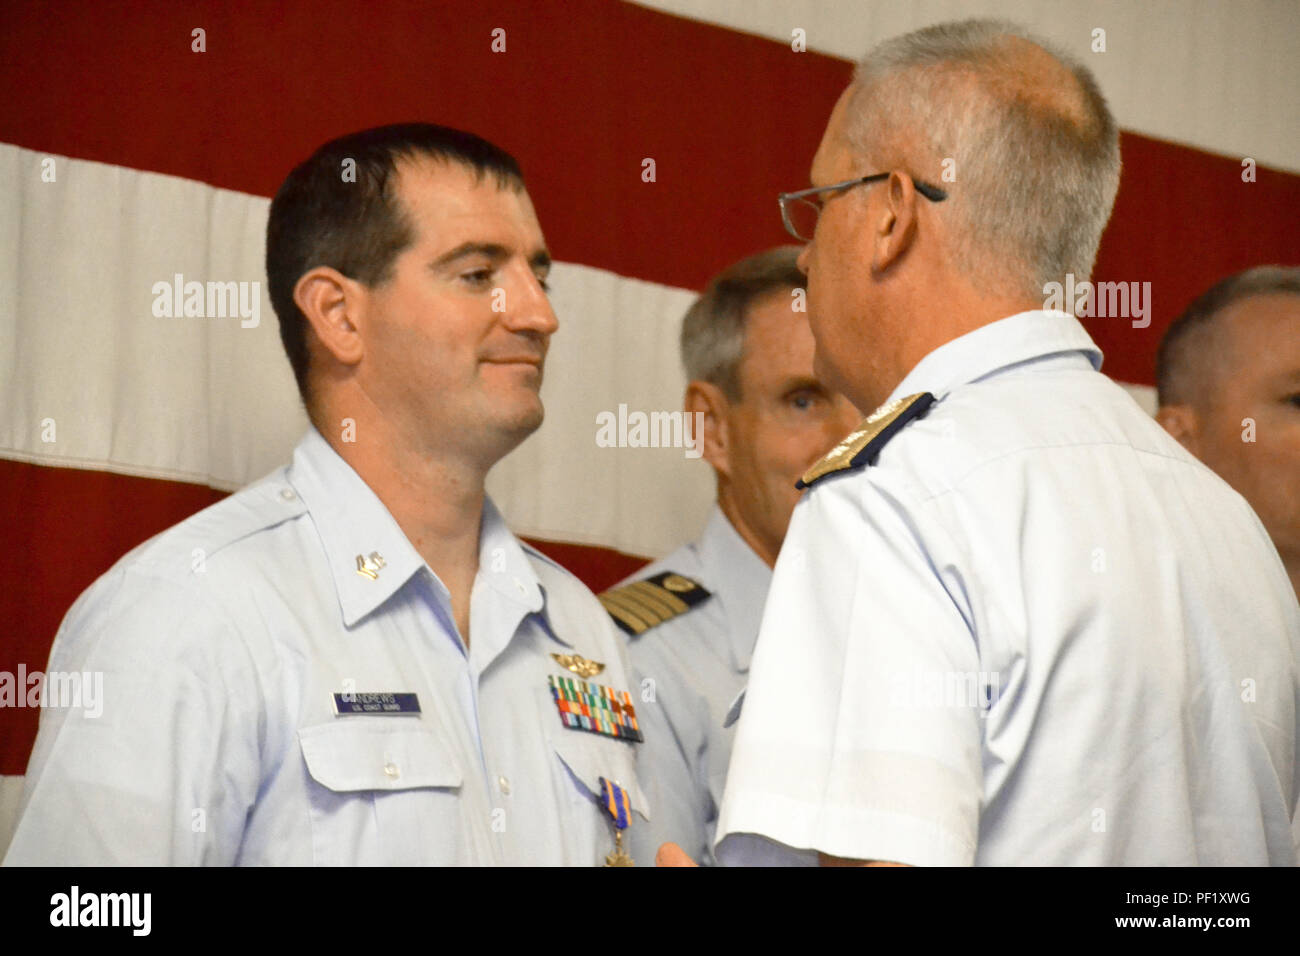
(1183, 220)
(583, 94)
(62, 528)
(586, 91)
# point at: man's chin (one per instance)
(522, 421)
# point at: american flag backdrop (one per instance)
(140, 143)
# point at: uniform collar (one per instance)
(504, 565)
(505, 570)
(369, 556)
(1018, 338)
(740, 579)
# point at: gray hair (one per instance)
(1036, 167)
(713, 329)
(1184, 363)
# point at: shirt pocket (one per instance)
(582, 759)
(382, 794)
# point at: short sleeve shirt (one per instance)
(1034, 631)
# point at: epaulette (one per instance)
(865, 442)
(640, 605)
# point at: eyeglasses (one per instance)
(800, 214)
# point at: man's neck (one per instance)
(435, 498)
(727, 504)
(921, 327)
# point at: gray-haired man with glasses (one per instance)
(1013, 621)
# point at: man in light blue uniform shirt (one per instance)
(354, 661)
(1013, 621)
(692, 618)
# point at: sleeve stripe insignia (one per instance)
(640, 605)
(864, 443)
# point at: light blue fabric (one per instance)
(698, 662)
(222, 642)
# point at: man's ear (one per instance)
(332, 304)
(894, 228)
(1183, 423)
(708, 399)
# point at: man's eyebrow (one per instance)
(491, 250)
(802, 383)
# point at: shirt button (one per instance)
(287, 494)
(520, 586)
(392, 770)
(504, 786)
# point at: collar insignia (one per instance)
(369, 566)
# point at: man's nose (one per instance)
(531, 309)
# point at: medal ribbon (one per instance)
(616, 803)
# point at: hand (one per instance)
(670, 854)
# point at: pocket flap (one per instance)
(362, 754)
(590, 759)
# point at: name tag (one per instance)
(381, 704)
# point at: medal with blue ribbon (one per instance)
(618, 805)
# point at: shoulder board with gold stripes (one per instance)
(864, 443)
(640, 605)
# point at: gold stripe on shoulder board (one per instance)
(865, 441)
(640, 605)
(629, 621)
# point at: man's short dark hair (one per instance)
(1184, 361)
(713, 330)
(339, 209)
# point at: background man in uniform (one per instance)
(351, 662)
(1013, 621)
(692, 618)
(1228, 378)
